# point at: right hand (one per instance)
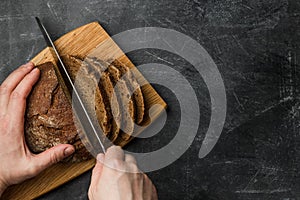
(116, 176)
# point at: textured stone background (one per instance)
(255, 45)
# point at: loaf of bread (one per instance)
(49, 120)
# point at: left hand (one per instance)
(17, 162)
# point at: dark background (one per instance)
(255, 45)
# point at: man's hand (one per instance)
(117, 177)
(17, 163)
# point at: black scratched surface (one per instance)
(255, 45)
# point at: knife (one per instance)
(93, 136)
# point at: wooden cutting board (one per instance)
(90, 39)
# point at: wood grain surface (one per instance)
(92, 40)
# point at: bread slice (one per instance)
(48, 119)
(110, 99)
(134, 88)
(122, 90)
(89, 91)
(125, 100)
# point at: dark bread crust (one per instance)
(47, 120)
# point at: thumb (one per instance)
(52, 156)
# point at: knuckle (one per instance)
(22, 68)
(17, 95)
(114, 148)
(3, 89)
(4, 123)
(119, 164)
(132, 158)
(54, 158)
(133, 168)
(20, 71)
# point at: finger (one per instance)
(148, 188)
(11, 82)
(132, 168)
(17, 103)
(114, 153)
(129, 158)
(154, 193)
(51, 156)
(97, 171)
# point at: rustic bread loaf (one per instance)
(48, 119)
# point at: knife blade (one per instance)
(91, 139)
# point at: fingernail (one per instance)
(68, 151)
(100, 157)
(34, 70)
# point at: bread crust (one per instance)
(47, 120)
